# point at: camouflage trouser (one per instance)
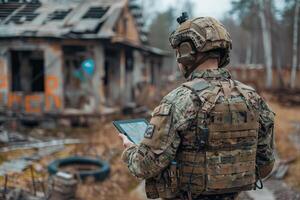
(232, 196)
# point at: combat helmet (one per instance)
(199, 39)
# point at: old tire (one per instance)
(99, 174)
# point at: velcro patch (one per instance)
(162, 110)
(149, 131)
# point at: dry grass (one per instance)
(286, 150)
(102, 142)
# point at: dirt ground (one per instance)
(286, 146)
(102, 140)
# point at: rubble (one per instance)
(19, 194)
(30, 145)
(101, 141)
(20, 164)
(15, 137)
(62, 186)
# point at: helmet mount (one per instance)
(183, 18)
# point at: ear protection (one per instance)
(186, 53)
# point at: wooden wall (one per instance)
(51, 100)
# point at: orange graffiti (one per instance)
(52, 98)
(3, 81)
(14, 99)
(51, 84)
(28, 104)
(1, 98)
(33, 103)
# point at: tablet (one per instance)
(134, 129)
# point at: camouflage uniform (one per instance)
(175, 116)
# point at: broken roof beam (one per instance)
(12, 14)
(7, 9)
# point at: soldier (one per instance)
(210, 138)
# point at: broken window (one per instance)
(58, 15)
(129, 61)
(25, 13)
(27, 71)
(7, 9)
(95, 12)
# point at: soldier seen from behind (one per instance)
(210, 138)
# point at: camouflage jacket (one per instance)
(175, 114)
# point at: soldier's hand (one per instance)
(126, 142)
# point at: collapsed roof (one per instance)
(73, 19)
(89, 19)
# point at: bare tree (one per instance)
(295, 45)
(266, 34)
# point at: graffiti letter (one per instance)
(51, 98)
(32, 104)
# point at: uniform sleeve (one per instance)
(158, 147)
(265, 148)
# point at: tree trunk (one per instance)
(266, 34)
(279, 72)
(295, 45)
(248, 55)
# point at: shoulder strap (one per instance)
(243, 89)
(196, 85)
(247, 92)
(210, 99)
(206, 97)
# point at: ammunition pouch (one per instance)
(166, 185)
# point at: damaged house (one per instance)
(62, 56)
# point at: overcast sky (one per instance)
(213, 8)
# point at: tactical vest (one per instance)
(217, 155)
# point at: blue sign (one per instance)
(88, 66)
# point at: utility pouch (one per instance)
(151, 190)
(202, 139)
(173, 176)
(167, 186)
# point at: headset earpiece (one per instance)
(186, 53)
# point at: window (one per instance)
(58, 15)
(95, 12)
(27, 71)
(26, 14)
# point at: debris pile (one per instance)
(287, 97)
(62, 186)
(23, 164)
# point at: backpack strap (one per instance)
(243, 89)
(210, 99)
(196, 85)
(246, 91)
(206, 96)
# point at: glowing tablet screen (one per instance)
(134, 129)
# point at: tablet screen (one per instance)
(134, 129)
